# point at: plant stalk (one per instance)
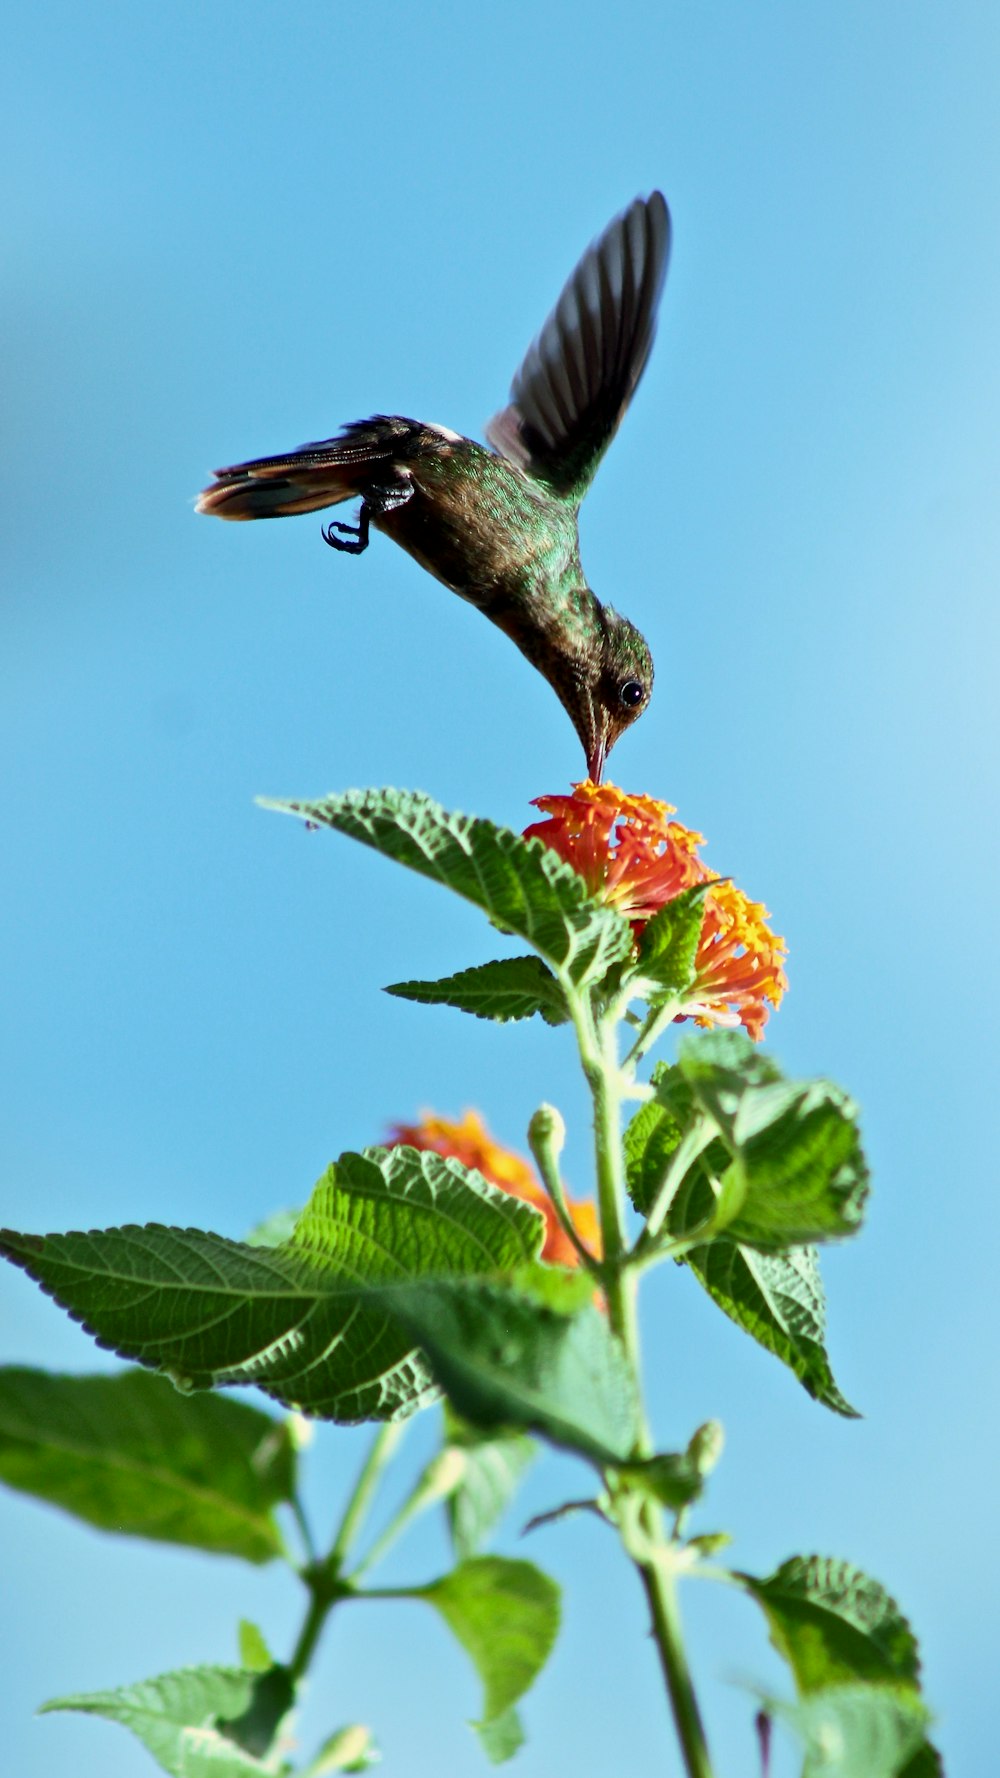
(379, 1452)
(661, 1593)
(608, 1080)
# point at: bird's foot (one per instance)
(356, 536)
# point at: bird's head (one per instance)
(609, 688)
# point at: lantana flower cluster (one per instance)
(633, 856)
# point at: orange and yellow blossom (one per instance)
(632, 856)
(468, 1140)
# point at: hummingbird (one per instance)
(499, 526)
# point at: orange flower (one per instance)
(470, 1142)
(631, 855)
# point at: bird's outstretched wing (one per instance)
(578, 377)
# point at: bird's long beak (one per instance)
(596, 756)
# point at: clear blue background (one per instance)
(233, 227)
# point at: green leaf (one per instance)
(255, 1655)
(130, 1455)
(511, 988)
(299, 1320)
(840, 1631)
(834, 1625)
(797, 1173)
(669, 942)
(491, 1468)
(192, 1720)
(777, 1298)
(505, 1359)
(352, 1749)
(654, 1135)
(506, 1616)
(859, 1731)
(502, 1737)
(522, 885)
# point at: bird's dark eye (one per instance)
(631, 693)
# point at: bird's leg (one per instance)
(376, 500)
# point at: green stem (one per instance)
(435, 1484)
(661, 1593)
(541, 1138)
(321, 1603)
(596, 1044)
(609, 1081)
(381, 1449)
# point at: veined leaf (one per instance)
(778, 1299)
(669, 942)
(194, 1721)
(300, 1319)
(797, 1173)
(835, 1625)
(492, 1466)
(130, 1455)
(861, 1731)
(522, 885)
(510, 988)
(506, 1616)
(843, 1635)
(506, 1359)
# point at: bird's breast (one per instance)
(475, 523)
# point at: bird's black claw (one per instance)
(356, 538)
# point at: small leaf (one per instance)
(511, 988)
(669, 942)
(523, 885)
(492, 1467)
(834, 1624)
(352, 1749)
(505, 1359)
(841, 1633)
(655, 1133)
(797, 1172)
(130, 1455)
(501, 1737)
(859, 1731)
(179, 1716)
(506, 1616)
(299, 1320)
(255, 1656)
(777, 1298)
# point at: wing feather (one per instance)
(578, 377)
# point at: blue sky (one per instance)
(231, 229)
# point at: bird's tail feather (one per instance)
(317, 475)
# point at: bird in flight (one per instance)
(500, 526)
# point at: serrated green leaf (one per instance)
(797, 1173)
(299, 1320)
(522, 885)
(777, 1298)
(275, 1229)
(841, 1632)
(669, 942)
(511, 988)
(492, 1466)
(506, 1616)
(130, 1455)
(180, 1718)
(834, 1624)
(506, 1360)
(858, 1731)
